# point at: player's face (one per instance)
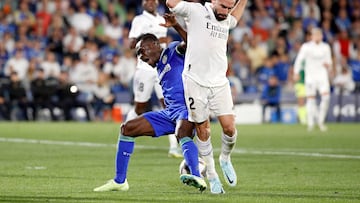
(150, 5)
(317, 36)
(222, 8)
(150, 52)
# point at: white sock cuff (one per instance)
(205, 147)
(228, 138)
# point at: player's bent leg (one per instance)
(228, 139)
(194, 181)
(111, 185)
(206, 153)
(128, 131)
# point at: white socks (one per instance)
(206, 152)
(324, 105)
(228, 144)
(311, 112)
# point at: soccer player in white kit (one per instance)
(145, 77)
(205, 83)
(316, 56)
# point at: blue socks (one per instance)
(124, 151)
(190, 152)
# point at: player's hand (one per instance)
(170, 20)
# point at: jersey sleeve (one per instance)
(182, 9)
(136, 28)
(232, 21)
(299, 60)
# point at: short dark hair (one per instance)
(147, 37)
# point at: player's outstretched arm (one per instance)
(170, 21)
(238, 9)
(172, 3)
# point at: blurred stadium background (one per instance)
(80, 50)
(87, 69)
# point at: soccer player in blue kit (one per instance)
(174, 118)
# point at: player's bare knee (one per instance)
(203, 134)
(186, 129)
(229, 130)
(126, 129)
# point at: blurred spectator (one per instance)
(341, 46)
(73, 42)
(240, 63)
(235, 84)
(343, 82)
(50, 66)
(9, 41)
(18, 64)
(103, 99)
(67, 64)
(311, 8)
(81, 20)
(92, 50)
(55, 43)
(4, 100)
(67, 94)
(23, 15)
(43, 90)
(109, 50)
(4, 56)
(342, 21)
(17, 97)
(264, 73)
(93, 9)
(85, 77)
(240, 30)
(114, 29)
(125, 69)
(257, 53)
(44, 17)
(271, 95)
(282, 67)
(310, 21)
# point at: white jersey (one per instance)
(312, 58)
(148, 23)
(145, 81)
(205, 59)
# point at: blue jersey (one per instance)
(169, 68)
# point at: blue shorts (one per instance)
(164, 122)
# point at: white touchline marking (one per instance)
(237, 151)
(35, 167)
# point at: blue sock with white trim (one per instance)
(125, 149)
(190, 152)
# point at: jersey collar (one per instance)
(145, 13)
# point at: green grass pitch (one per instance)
(63, 162)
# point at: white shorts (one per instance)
(314, 86)
(145, 81)
(201, 100)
